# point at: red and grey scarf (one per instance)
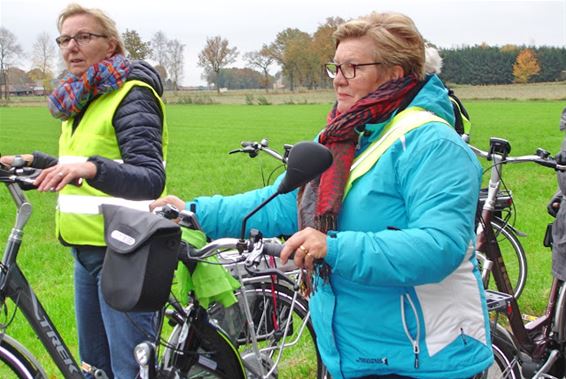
(320, 201)
(75, 92)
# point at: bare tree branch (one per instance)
(216, 55)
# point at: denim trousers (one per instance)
(107, 337)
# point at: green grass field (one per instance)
(199, 164)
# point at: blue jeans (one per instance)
(107, 337)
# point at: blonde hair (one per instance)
(396, 38)
(108, 25)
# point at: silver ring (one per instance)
(60, 174)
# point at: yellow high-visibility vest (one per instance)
(78, 218)
(405, 121)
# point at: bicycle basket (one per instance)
(142, 253)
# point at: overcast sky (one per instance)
(248, 24)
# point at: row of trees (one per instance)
(299, 56)
(503, 65)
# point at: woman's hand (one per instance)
(169, 199)
(8, 160)
(56, 177)
(308, 244)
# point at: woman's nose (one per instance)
(339, 79)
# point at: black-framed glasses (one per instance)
(82, 38)
(348, 69)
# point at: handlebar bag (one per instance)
(141, 257)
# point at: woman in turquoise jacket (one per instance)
(388, 230)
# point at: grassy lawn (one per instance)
(199, 164)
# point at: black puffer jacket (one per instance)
(138, 122)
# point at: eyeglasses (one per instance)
(82, 38)
(348, 69)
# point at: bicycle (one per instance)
(277, 319)
(502, 216)
(535, 349)
(207, 350)
(15, 359)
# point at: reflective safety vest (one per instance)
(405, 121)
(78, 218)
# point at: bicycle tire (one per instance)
(513, 255)
(505, 364)
(17, 362)
(296, 360)
(206, 353)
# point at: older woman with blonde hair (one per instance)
(113, 142)
(388, 231)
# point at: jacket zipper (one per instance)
(463, 336)
(414, 341)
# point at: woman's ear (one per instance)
(111, 50)
(397, 72)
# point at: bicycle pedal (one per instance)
(87, 368)
(95, 372)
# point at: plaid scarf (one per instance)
(319, 202)
(75, 92)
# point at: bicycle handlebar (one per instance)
(250, 255)
(253, 148)
(24, 176)
(542, 158)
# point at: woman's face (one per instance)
(367, 79)
(78, 58)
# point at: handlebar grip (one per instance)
(247, 143)
(272, 249)
(26, 177)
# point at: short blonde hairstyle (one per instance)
(108, 25)
(396, 38)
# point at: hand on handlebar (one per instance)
(169, 199)
(8, 160)
(56, 177)
(309, 245)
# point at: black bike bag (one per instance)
(141, 257)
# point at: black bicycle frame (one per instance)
(487, 244)
(534, 336)
(15, 286)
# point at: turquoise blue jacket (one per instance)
(405, 295)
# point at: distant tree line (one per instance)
(503, 65)
(299, 57)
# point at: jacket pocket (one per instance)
(408, 305)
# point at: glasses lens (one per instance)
(348, 70)
(82, 38)
(331, 69)
(62, 40)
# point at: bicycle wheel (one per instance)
(270, 311)
(513, 255)
(200, 350)
(505, 365)
(17, 362)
